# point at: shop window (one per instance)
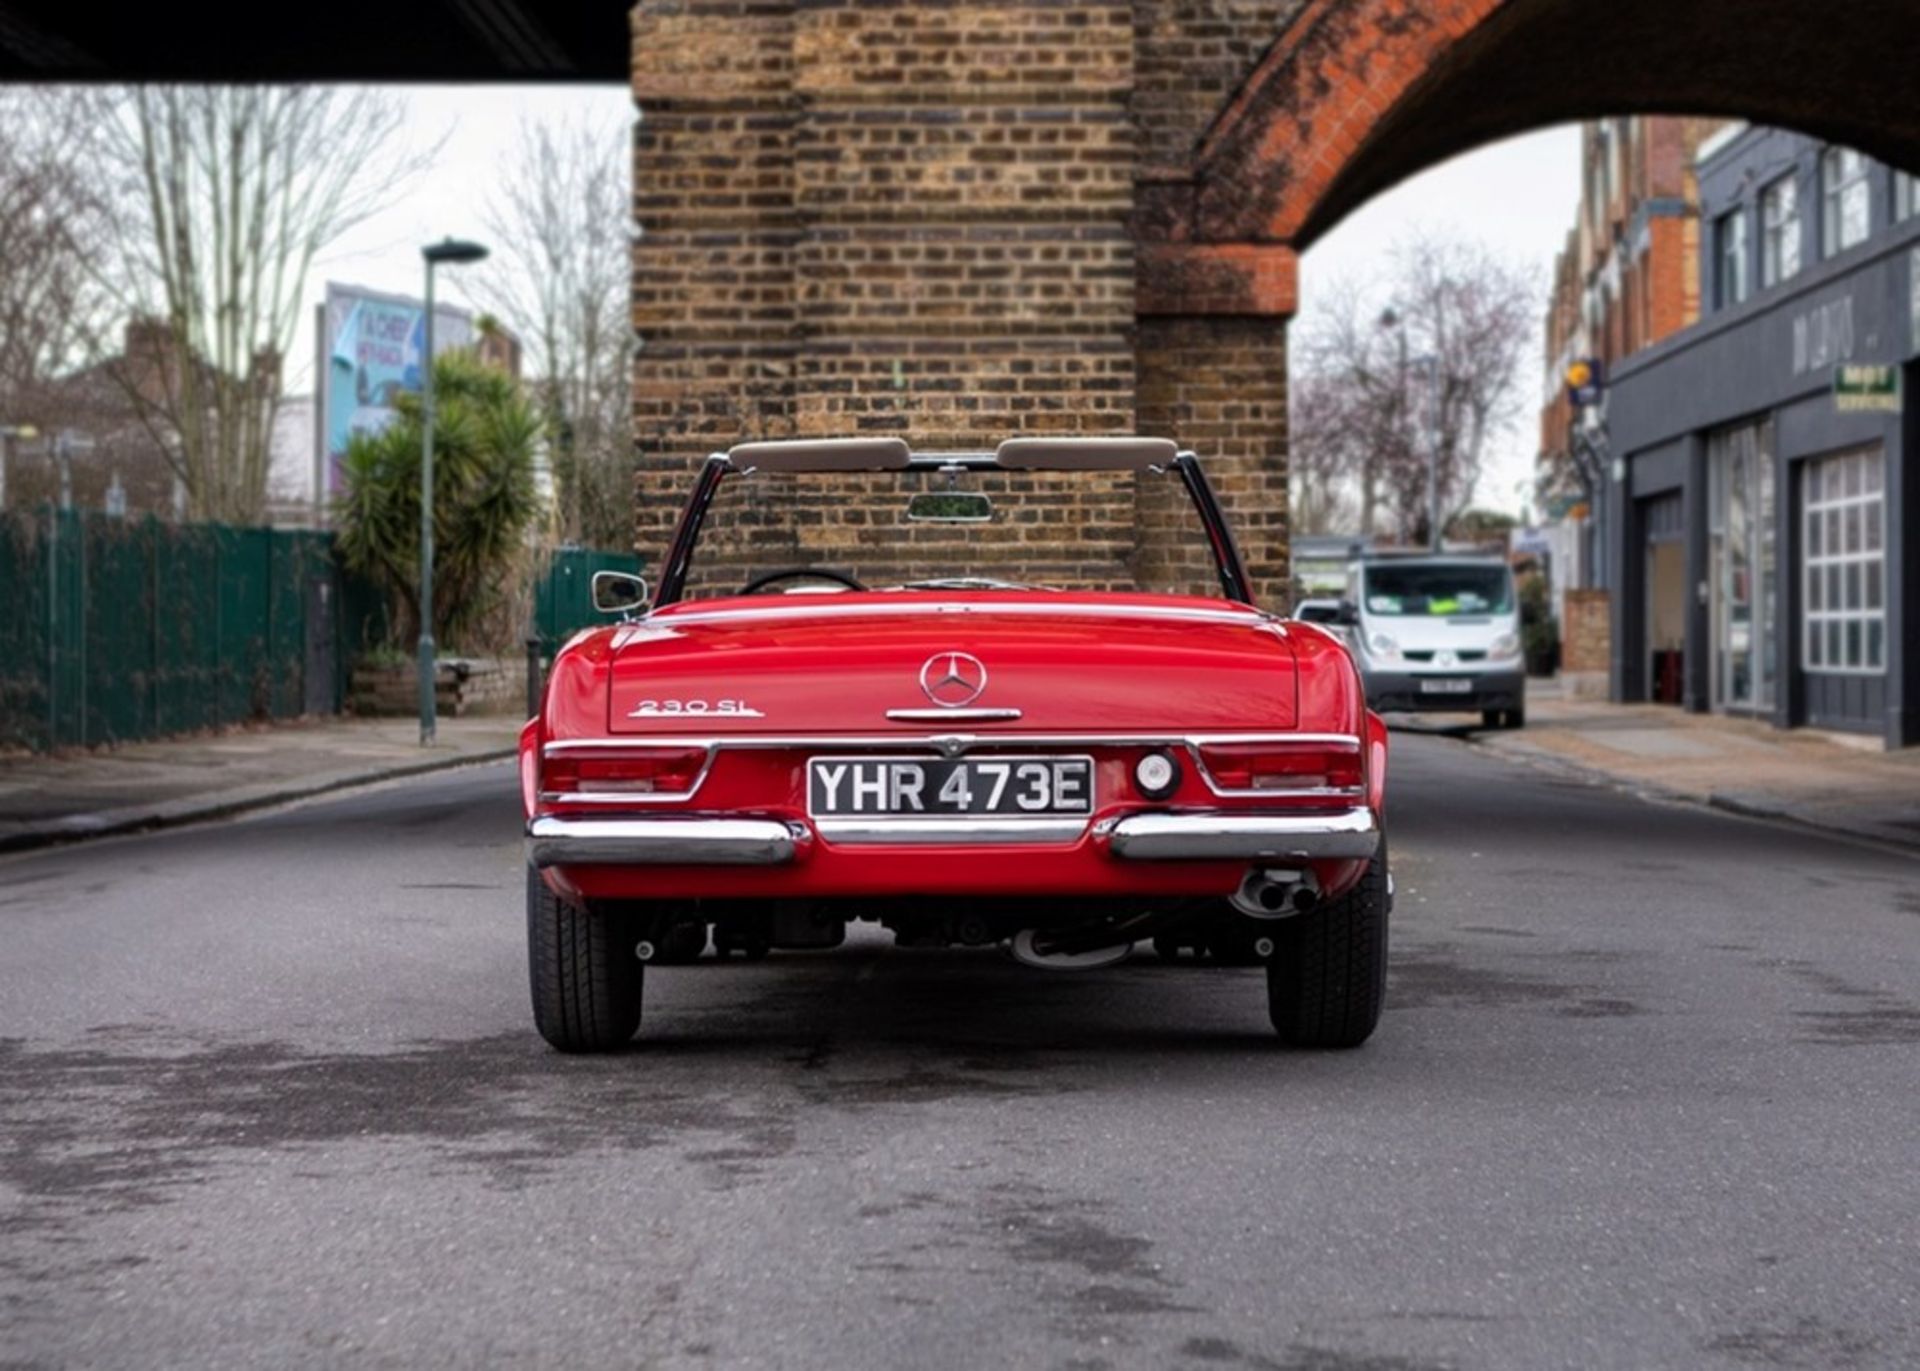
(1740, 513)
(1846, 200)
(1780, 227)
(1845, 564)
(1730, 231)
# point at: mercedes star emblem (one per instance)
(953, 679)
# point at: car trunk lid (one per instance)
(844, 663)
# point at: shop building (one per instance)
(1764, 508)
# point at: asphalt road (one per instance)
(1647, 1094)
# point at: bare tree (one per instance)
(51, 308)
(223, 197)
(1355, 385)
(560, 219)
(1429, 365)
(1327, 447)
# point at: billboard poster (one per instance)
(371, 347)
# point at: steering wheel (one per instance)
(795, 573)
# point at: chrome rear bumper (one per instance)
(706, 841)
(1349, 834)
(661, 842)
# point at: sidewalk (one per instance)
(1823, 780)
(51, 799)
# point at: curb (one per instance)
(1717, 800)
(73, 828)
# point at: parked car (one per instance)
(859, 711)
(1331, 613)
(1438, 633)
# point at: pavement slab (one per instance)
(63, 796)
(1828, 781)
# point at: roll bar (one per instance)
(827, 455)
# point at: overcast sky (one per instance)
(1519, 196)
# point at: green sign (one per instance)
(1866, 389)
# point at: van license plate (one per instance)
(1447, 685)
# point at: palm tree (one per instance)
(485, 437)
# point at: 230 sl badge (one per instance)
(656, 709)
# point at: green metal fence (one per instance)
(563, 600)
(113, 630)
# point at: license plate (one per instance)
(1447, 685)
(957, 786)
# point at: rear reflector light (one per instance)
(1283, 766)
(623, 771)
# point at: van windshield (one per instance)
(1438, 588)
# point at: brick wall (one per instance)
(1189, 55)
(921, 217)
(1219, 385)
(1586, 637)
(713, 290)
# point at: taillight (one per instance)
(1284, 767)
(664, 771)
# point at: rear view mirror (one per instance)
(950, 507)
(618, 592)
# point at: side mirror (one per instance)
(618, 592)
(1348, 615)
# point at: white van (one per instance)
(1438, 633)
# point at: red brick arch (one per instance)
(1354, 95)
(1318, 96)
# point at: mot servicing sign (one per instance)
(1866, 388)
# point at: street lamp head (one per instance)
(1389, 317)
(452, 252)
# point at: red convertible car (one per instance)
(845, 708)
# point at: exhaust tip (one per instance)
(1275, 894)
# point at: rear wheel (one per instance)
(1327, 981)
(585, 977)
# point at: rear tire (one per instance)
(586, 980)
(1327, 981)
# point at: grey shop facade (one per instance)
(1766, 529)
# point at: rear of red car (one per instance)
(1123, 764)
(1063, 774)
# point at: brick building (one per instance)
(1627, 277)
(1629, 273)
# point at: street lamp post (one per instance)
(1437, 398)
(452, 252)
(1390, 319)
